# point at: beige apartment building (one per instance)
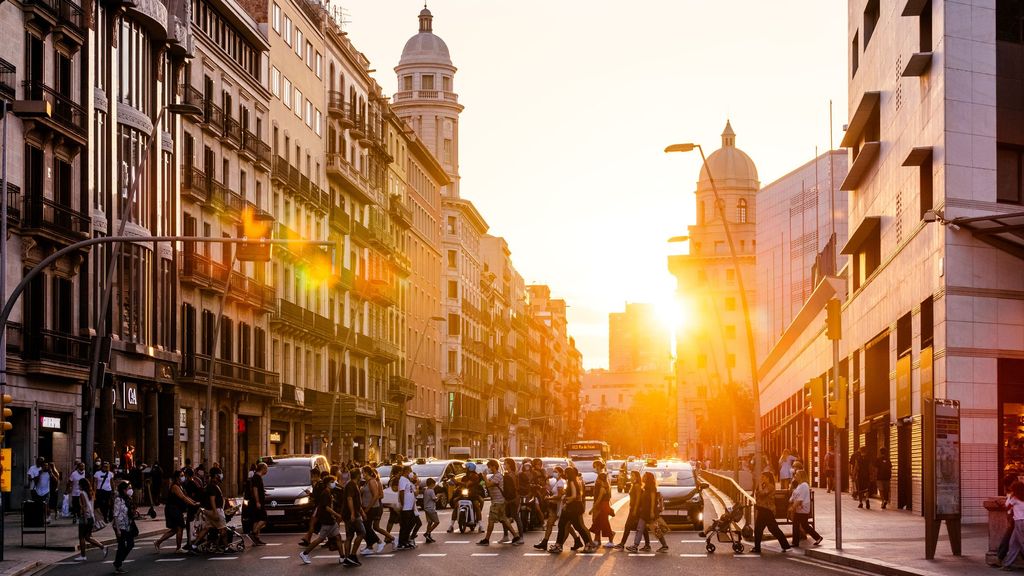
(712, 356)
(638, 340)
(933, 294)
(225, 192)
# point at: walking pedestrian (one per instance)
(369, 498)
(1004, 543)
(513, 497)
(883, 475)
(315, 487)
(554, 495)
(1015, 505)
(800, 507)
(328, 520)
(601, 511)
(407, 505)
(764, 513)
(74, 489)
(352, 515)
(830, 470)
(862, 466)
(174, 512)
(635, 488)
(195, 492)
(786, 469)
(87, 520)
(213, 507)
(572, 514)
(103, 480)
(124, 524)
(430, 509)
(649, 513)
(256, 495)
(496, 487)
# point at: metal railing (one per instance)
(13, 203)
(8, 79)
(236, 375)
(213, 115)
(43, 212)
(65, 111)
(232, 131)
(194, 183)
(732, 490)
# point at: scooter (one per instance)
(465, 512)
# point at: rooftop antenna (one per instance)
(340, 16)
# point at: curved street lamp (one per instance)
(751, 349)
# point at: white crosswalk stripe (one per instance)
(223, 558)
(170, 559)
(273, 557)
(432, 555)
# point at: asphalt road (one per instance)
(453, 555)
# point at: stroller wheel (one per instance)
(737, 547)
(710, 548)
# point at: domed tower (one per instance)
(426, 97)
(735, 176)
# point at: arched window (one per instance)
(741, 211)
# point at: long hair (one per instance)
(767, 474)
(650, 482)
(634, 477)
(1017, 489)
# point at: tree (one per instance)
(648, 427)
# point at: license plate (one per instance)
(275, 512)
(674, 512)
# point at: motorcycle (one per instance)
(465, 512)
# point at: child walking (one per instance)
(430, 509)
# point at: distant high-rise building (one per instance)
(638, 340)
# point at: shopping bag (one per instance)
(65, 506)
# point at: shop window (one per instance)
(1010, 375)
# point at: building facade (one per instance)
(638, 340)
(712, 355)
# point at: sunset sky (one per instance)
(569, 105)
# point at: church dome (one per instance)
(729, 165)
(425, 47)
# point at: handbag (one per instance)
(98, 524)
(660, 528)
(134, 530)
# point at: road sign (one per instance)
(5, 470)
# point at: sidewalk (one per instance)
(890, 542)
(61, 542)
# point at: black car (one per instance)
(676, 484)
(289, 488)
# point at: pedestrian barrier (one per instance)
(731, 489)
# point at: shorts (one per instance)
(257, 514)
(85, 527)
(174, 519)
(215, 518)
(497, 513)
(432, 516)
(355, 528)
(329, 531)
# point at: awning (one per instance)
(1003, 231)
(868, 226)
(865, 108)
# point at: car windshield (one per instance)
(384, 471)
(428, 470)
(283, 476)
(549, 465)
(673, 477)
(584, 466)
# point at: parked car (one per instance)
(676, 482)
(448, 475)
(289, 488)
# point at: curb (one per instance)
(29, 568)
(860, 563)
(37, 567)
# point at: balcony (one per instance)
(340, 220)
(8, 82)
(400, 213)
(345, 278)
(66, 116)
(426, 95)
(401, 389)
(49, 352)
(360, 232)
(358, 128)
(250, 144)
(194, 185)
(13, 205)
(280, 170)
(232, 132)
(401, 263)
(352, 406)
(302, 322)
(62, 17)
(229, 375)
(264, 159)
(224, 199)
(204, 273)
(384, 293)
(192, 102)
(468, 424)
(363, 344)
(386, 350)
(54, 221)
(213, 117)
(251, 292)
(336, 105)
(346, 175)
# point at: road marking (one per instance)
(223, 558)
(326, 556)
(170, 559)
(456, 541)
(111, 561)
(693, 555)
(618, 505)
(693, 541)
(380, 556)
(536, 554)
(643, 555)
(273, 557)
(484, 554)
(272, 544)
(742, 555)
(432, 555)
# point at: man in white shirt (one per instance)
(33, 476)
(407, 500)
(800, 506)
(103, 480)
(75, 491)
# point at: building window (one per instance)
(309, 56)
(451, 224)
(275, 81)
(407, 82)
(730, 304)
(730, 276)
(452, 259)
(446, 83)
(924, 25)
(287, 30)
(730, 332)
(276, 12)
(319, 123)
(925, 176)
(454, 324)
(287, 93)
(871, 14)
(453, 289)
(854, 55)
(319, 65)
(299, 44)
(448, 151)
(453, 361)
(297, 108)
(701, 209)
(1009, 176)
(741, 211)
(427, 82)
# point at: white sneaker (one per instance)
(366, 551)
(609, 544)
(379, 547)
(305, 558)
(80, 558)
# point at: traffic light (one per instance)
(815, 390)
(834, 320)
(5, 414)
(837, 404)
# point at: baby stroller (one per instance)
(726, 527)
(226, 541)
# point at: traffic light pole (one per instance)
(837, 469)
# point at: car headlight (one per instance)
(302, 501)
(465, 492)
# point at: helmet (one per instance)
(471, 467)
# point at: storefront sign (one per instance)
(51, 422)
(130, 396)
(903, 388)
(275, 437)
(5, 470)
(927, 384)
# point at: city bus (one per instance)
(588, 450)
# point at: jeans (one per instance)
(801, 523)
(572, 514)
(104, 503)
(406, 521)
(631, 525)
(371, 535)
(641, 529)
(765, 518)
(1016, 543)
(125, 543)
(1004, 544)
(519, 521)
(883, 491)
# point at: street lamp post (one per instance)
(751, 349)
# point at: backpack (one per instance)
(508, 487)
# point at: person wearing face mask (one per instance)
(213, 506)
(177, 504)
(124, 524)
(328, 519)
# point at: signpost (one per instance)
(941, 473)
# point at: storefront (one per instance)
(1011, 418)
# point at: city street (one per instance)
(452, 554)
